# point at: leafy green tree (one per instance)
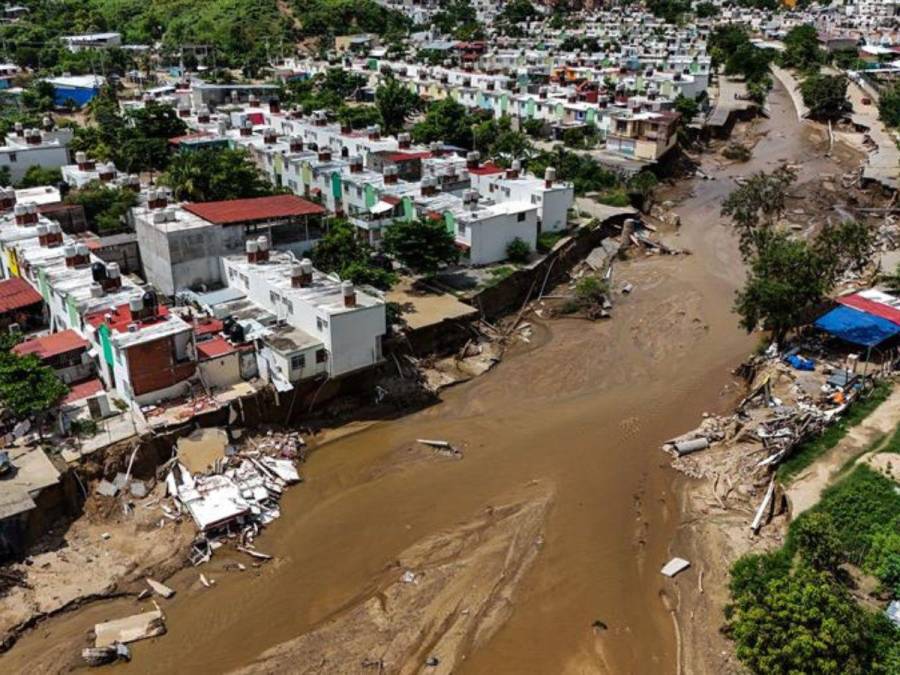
(422, 246)
(105, 207)
(803, 622)
(342, 252)
(28, 387)
(749, 61)
(706, 10)
(817, 542)
(518, 11)
(825, 96)
(725, 40)
(459, 19)
(801, 49)
(756, 205)
(214, 174)
(37, 175)
(584, 172)
(396, 103)
(39, 96)
(446, 121)
(359, 116)
(688, 107)
(889, 105)
(785, 282)
(848, 245)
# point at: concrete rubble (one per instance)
(237, 494)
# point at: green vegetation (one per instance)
(889, 105)
(688, 107)
(325, 91)
(396, 103)
(706, 10)
(671, 11)
(345, 17)
(459, 19)
(580, 138)
(518, 251)
(38, 175)
(28, 388)
(105, 207)
(589, 295)
(825, 96)
(446, 121)
(791, 610)
(811, 450)
(802, 50)
(134, 141)
(585, 173)
(208, 175)
(730, 46)
(342, 252)
(422, 246)
(787, 278)
(547, 240)
(615, 197)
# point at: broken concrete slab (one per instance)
(107, 489)
(159, 589)
(130, 629)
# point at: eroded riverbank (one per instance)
(580, 412)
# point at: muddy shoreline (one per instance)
(582, 411)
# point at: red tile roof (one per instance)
(199, 135)
(210, 349)
(485, 169)
(121, 317)
(256, 209)
(83, 390)
(208, 326)
(17, 293)
(408, 156)
(52, 345)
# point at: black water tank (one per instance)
(150, 300)
(98, 271)
(237, 332)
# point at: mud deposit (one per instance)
(579, 413)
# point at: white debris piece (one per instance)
(130, 629)
(675, 566)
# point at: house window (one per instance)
(298, 362)
(12, 157)
(321, 356)
(274, 298)
(289, 305)
(244, 280)
(321, 324)
(520, 216)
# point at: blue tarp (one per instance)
(857, 327)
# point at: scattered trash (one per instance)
(101, 656)
(206, 582)
(599, 625)
(409, 577)
(675, 566)
(432, 662)
(627, 288)
(107, 489)
(694, 445)
(441, 446)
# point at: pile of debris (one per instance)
(792, 398)
(230, 493)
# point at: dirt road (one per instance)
(582, 411)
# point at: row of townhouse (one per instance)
(279, 320)
(374, 180)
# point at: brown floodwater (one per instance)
(584, 408)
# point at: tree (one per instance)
(38, 175)
(758, 203)
(785, 282)
(342, 252)
(749, 61)
(105, 207)
(889, 105)
(518, 11)
(422, 246)
(688, 107)
(446, 121)
(803, 622)
(214, 174)
(27, 386)
(846, 246)
(706, 10)
(396, 103)
(801, 49)
(817, 542)
(359, 116)
(825, 96)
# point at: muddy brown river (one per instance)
(583, 409)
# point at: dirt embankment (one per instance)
(105, 553)
(444, 596)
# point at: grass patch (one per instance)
(859, 505)
(616, 197)
(498, 274)
(547, 240)
(814, 448)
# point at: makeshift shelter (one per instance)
(857, 327)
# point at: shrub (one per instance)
(518, 251)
